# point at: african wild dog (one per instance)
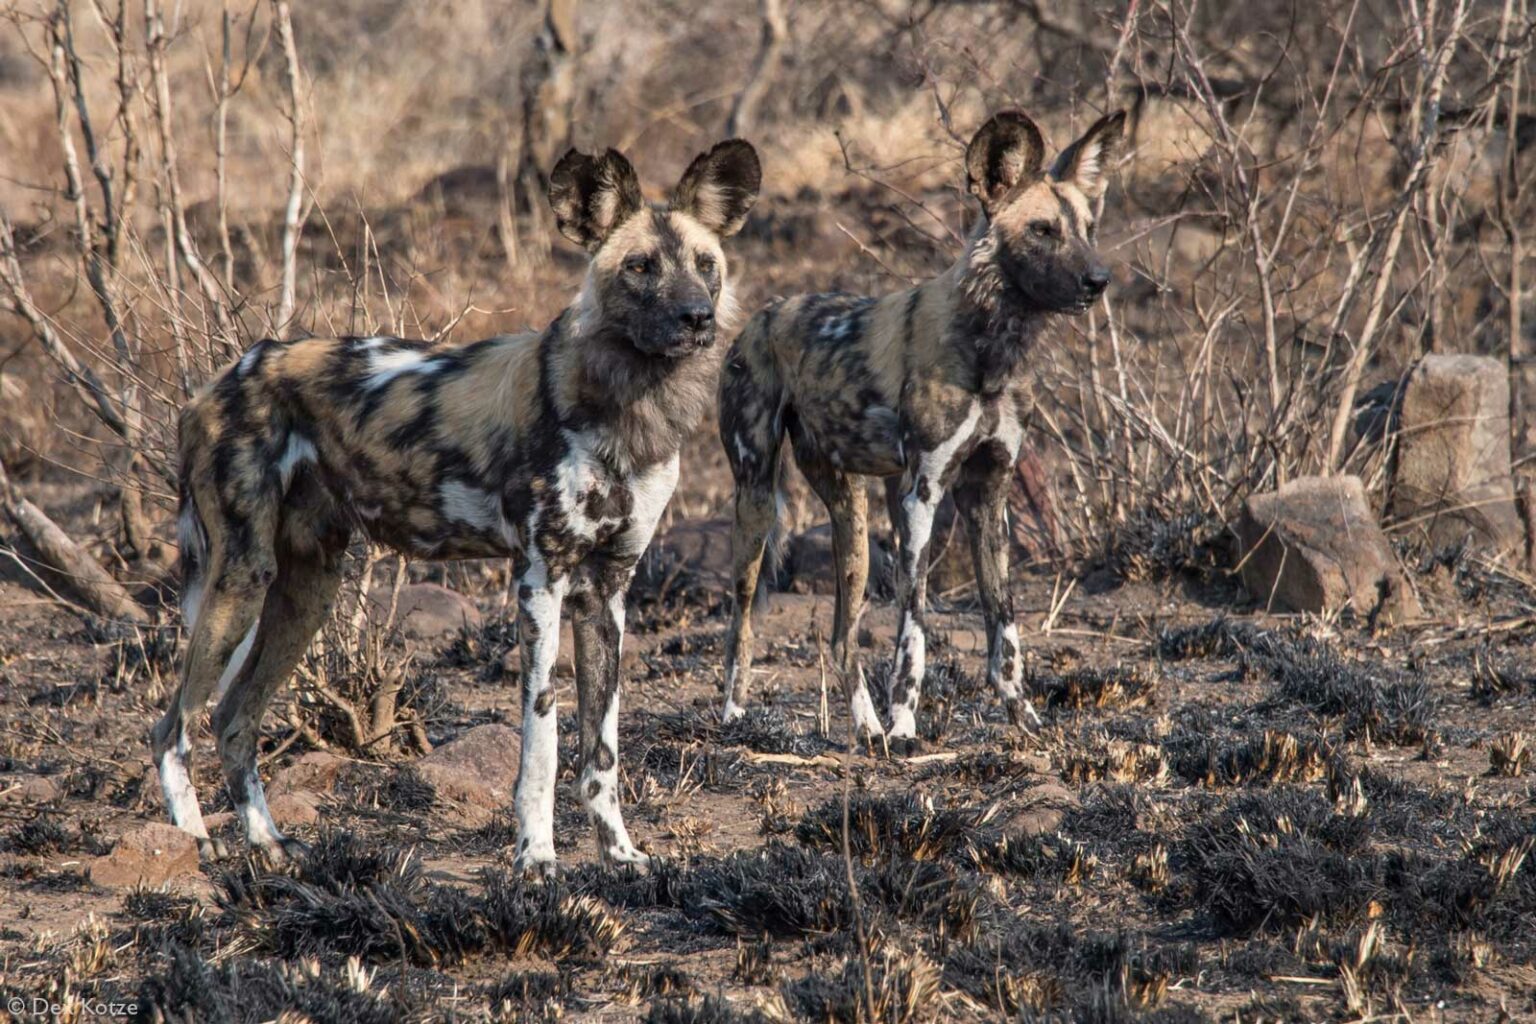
(558, 449)
(927, 383)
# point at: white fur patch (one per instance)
(1007, 687)
(650, 492)
(384, 367)
(260, 829)
(299, 449)
(539, 758)
(866, 724)
(931, 466)
(236, 662)
(180, 796)
(249, 360)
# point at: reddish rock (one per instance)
(478, 768)
(294, 808)
(1314, 546)
(314, 772)
(1451, 480)
(149, 855)
(30, 789)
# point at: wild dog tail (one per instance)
(752, 402)
(192, 537)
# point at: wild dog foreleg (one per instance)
(539, 596)
(929, 471)
(597, 622)
(981, 499)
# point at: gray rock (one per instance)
(1314, 546)
(428, 611)
(1451, 481)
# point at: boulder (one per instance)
(478, 768)
(1042, 808)
(149, 855)
(429, 611)
(1451, 480)
(1314, 546)
(314, 772)
(294, 808)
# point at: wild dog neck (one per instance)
(993, 325)
(642, 405)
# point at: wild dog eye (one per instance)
(638, 264)
(1044, 229)
(706, 263)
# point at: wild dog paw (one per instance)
(211, 851)
(283, 852)
(905, 746)
(534, 868)
(630, 858)
(731, 712)
(1021, 712)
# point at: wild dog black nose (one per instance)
(697, 317)
(1096, 280)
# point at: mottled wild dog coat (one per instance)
(558, 449)
(926, 385)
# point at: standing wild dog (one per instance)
(928, 383)
(558, 449)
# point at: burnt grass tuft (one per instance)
(1157, 544)
(767, 730)
(377, 905)
(188, 987)
(1118, 686)
(1371, 700)
(898, 823)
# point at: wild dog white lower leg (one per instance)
(906, 680)
(930, 472)
(538, 598)
(598, 625)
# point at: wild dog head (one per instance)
(657, 281)
(1039, 232)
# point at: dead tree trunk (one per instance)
(549, 95)
(770, 52)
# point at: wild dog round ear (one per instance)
(719, 187)
(1003, 152)
(592, 195)
(1086, 162)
